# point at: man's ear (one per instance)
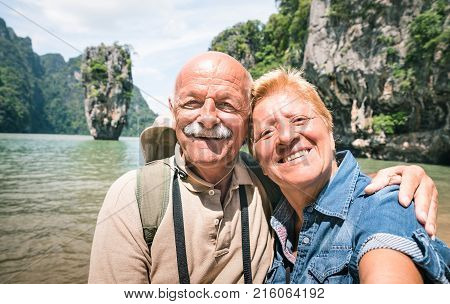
(170, 104)
(172, 110)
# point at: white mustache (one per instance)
(219, 131)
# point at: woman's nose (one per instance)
(286, 136)
(285, 133)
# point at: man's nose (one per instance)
(208, 115)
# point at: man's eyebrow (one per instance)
(225, 94)
(192, 92)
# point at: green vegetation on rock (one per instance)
(427, 49)
(348, 11)
(389, 123)
(262, 47)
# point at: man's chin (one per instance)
(205, 158)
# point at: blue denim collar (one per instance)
(335, 197)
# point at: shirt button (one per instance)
(310, 209)
(211, 192)
(306, 240)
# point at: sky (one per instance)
(163, 34)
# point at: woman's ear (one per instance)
(332, 141)
(333, 145)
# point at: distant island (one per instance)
(43, 94)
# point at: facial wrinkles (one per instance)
(283, 119)
(215, 89)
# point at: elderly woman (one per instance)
(327, 229)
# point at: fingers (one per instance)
(395, 180)
(380, 181)
(431, 224)
(411, 179)
(423, 198)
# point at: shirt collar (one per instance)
(336, 196)
(195, 183)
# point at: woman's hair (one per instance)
(281, 80)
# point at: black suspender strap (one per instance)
(246, 257)
(288, 275)
(180, 241)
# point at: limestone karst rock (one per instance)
(381, 67)
(108, 85)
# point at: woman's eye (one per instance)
(265, 134)
(301, 120)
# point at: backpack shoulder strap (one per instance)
(272, 190)
(152, 195)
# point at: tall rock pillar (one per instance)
(108, 85)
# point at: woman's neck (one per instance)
(299, 199)
(301, 196)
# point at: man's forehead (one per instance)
(209, 84)
(212, 72)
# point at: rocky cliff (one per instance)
(107, 82)
(388, 91)
(381, 66)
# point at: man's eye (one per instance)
(192, 104)
(225, 106)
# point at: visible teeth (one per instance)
(296, 155)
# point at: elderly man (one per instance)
(224, 235)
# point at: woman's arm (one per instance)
(387, 266)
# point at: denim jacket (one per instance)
(343, 224)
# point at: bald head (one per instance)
(216, 64)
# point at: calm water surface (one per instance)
(52, 187)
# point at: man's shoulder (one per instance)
(122, 191)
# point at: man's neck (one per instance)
(213, 173)
(219, 176)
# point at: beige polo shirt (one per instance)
(213, 233)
